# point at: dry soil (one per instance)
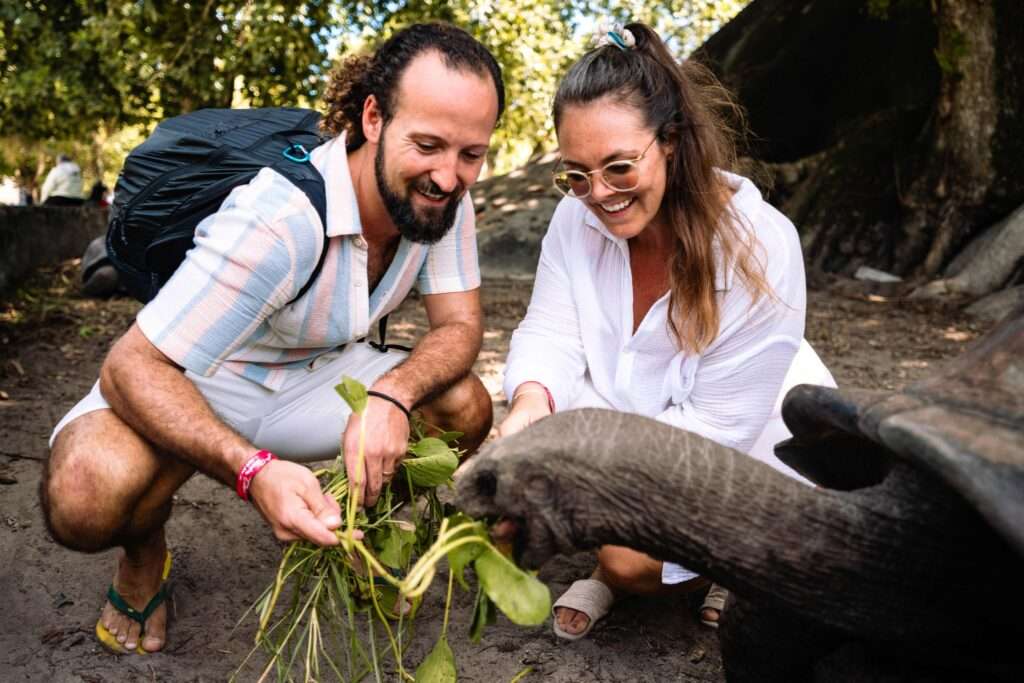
(52, 342)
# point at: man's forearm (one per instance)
(444, 356)
(156, 399)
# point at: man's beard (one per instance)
(425, 229)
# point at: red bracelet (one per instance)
(547, 393)
(551, 400)
(249, 470)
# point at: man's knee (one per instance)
(91, 482)
(466, 407)
(71, 503)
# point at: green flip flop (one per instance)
(108, 639)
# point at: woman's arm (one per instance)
(546, 351)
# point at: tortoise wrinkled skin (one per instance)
(904, 563)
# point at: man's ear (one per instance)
(373, 119)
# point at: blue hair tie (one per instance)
(617, 39)
(614, 34)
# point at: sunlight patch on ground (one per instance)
(953, 334)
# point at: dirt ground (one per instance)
(52, 342)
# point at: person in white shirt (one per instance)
(666, 285)
(63, 184)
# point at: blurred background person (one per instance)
(63, 184)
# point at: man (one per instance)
(63, 184)
(259, 372)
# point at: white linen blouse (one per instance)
(577, 331)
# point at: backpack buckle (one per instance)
(300, 158)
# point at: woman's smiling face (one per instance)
(595, 134)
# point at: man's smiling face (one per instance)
(434, 146)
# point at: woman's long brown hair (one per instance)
(689, 110)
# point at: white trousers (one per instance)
(302, 421)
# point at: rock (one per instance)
(995, 307)
(874, 275)
(986, 265)
(512, 217)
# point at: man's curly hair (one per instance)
(378, 74)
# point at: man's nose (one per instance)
(446, 175)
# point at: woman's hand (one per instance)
(529, 404)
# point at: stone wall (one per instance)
(34, 236)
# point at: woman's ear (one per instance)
(373, 119)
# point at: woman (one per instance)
(666, 286)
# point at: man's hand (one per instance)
(529, 404)
(384, 445)
(290, 499)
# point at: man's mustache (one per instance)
(431, 188)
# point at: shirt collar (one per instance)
(331, 159)
(591, 219)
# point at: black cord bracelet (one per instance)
(393, 400)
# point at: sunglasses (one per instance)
(619, 176)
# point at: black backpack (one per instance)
(186, 168)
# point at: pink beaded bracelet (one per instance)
(249, 470)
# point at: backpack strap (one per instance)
(304, 176)
(382, 332)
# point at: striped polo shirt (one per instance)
(227, 303)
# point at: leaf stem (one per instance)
(447, 603)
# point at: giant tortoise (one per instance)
(905, 563)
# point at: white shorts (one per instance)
(806, 368)
(303, 421)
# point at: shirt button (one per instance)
(359, 242)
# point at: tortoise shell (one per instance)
(965, 425)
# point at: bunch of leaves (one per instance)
(349, 608)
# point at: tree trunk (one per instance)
(947, 200)
(894, 140)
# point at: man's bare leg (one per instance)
(104, 486)
(465, 407)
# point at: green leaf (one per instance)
(394, 545)
(520, 596)
(429, 446)
(459, 557)
(483, 615)
(431, 470)
(354, 393)
(439, 666)
(451, 438)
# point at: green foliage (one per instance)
(439, 666)
(353, 392)
(523, 599)
(73, 74)
(483, 615)
(370, 580)
(460, 556)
